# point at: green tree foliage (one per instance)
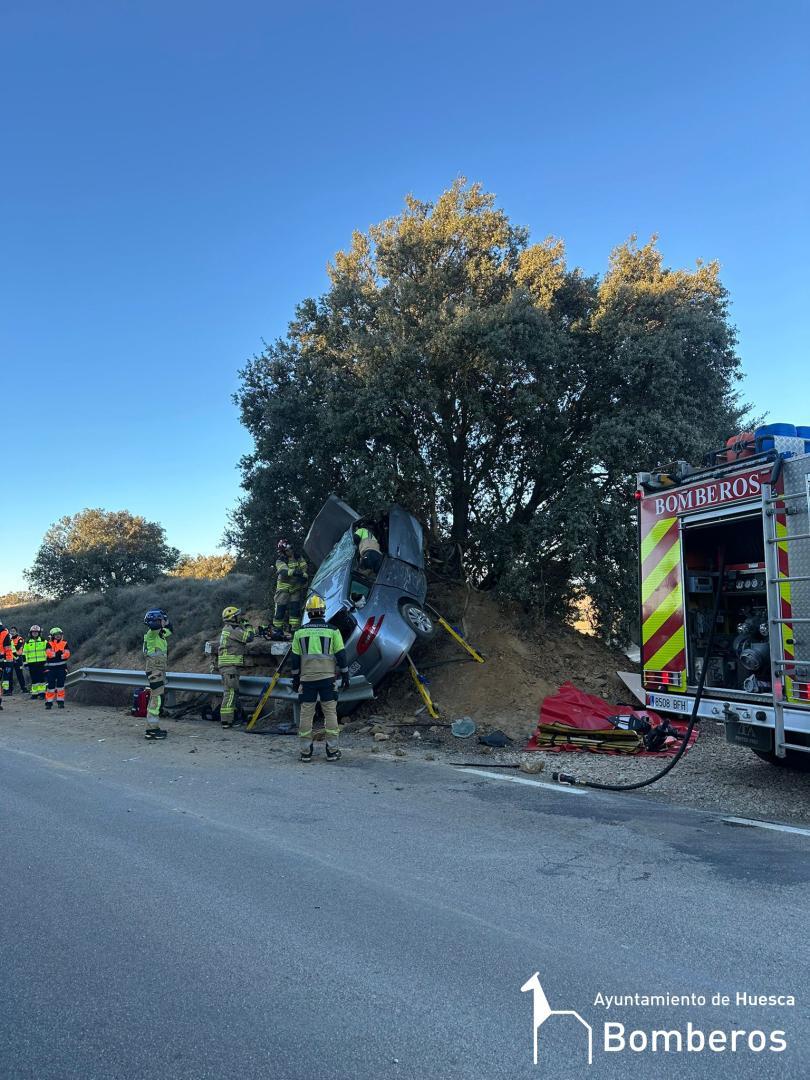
(204, 566)
(504, 397)
(99, 549)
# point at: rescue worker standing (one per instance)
(6, 663)
(318, 654)
(369, 556)
(35, 651)
(57, 655)
(156, 651)
(235, 635)
(18, 641)
(291, 583)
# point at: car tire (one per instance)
(794, 759)
(417, 619)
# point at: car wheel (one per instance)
(418, 619)
(794, 759)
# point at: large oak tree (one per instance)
(99, 549)
(504, 397)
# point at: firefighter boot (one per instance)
(155, 733)
(306, 755)
(48, 704)
(60, 704)
(332, 753)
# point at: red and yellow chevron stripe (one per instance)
(663, 635)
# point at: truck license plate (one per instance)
(668, 704)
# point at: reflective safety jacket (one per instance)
(366, 541)
(57, 653)
(232, 641)
(291, 574)
(19, 645)
(6, 646)
(318, 652)
(156, 642)
(35, 650)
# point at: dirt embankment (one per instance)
(525, 661)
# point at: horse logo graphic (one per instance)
(542, 1011)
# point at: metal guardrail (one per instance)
(204, 683)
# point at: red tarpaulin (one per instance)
(589, 713)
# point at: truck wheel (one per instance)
(794, 759)
(418, 620)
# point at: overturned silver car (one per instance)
(380, 615)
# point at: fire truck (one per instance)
(739, 524)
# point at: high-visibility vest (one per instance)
(36, 650)
(368, 541)
(53, 648)
(232, 641)
(317, 651)
(285, 582)
(6, 646)
(156, 641)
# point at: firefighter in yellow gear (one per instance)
(369, 555)
(236, 633)
(156, 653)
(291, 584)
(318, 656)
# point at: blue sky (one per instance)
(176, 175)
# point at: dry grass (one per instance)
(106, 629)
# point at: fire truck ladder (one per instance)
(781, 664)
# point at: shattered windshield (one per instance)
(331, 573)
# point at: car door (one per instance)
(332, 521)
(405, 540)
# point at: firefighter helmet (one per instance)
(316, 605)
(230, 613)
(35, 629)
(154, 618)
(283, 545)
(55, 630)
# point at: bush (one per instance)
(204, 566)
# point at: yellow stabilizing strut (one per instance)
(257, 712)
(457, 637)
(423, 690)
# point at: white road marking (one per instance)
(766, 825)
(772, 825)
(532, 783)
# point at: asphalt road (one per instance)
(372, 919)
